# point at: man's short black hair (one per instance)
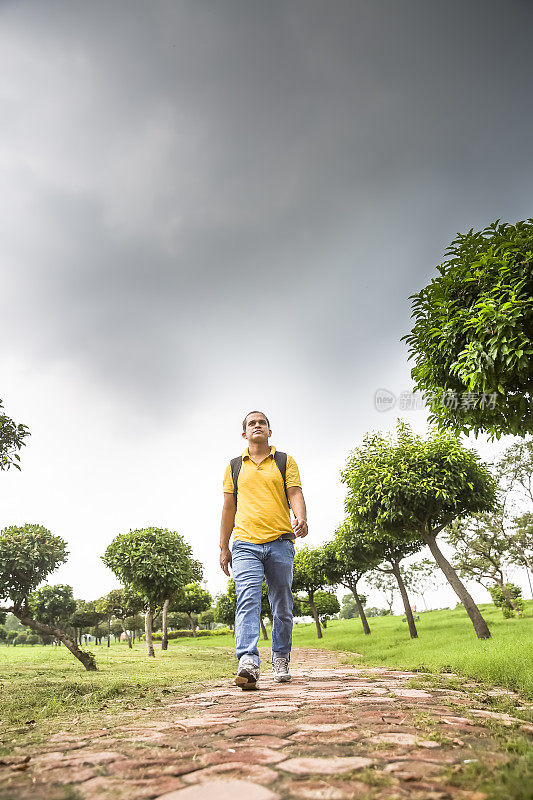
(253, 412)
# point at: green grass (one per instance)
(446, 642)
(43, 682)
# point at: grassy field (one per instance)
(39, 682)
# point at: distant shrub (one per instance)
(33, 638)
(22, 638)
(188, 634)
(501, 601)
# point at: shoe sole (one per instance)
(246, 680)
(282, 678)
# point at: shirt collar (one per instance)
(246, 453)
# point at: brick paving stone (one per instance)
(412, 770)
(412, 693)
(245, 755)
(234, 769)
(324, 766)
(325, 727)
(258, 728)
(262, 741)
(325, 790)
(222, 790)
(402, 740)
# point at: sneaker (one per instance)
(247, 674)
(280, 668)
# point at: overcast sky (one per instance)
(208, 207)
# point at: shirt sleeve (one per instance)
(228, 480)
(292, 475)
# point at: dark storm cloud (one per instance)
(175, 171)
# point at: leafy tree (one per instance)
(155, 563)
(348, 607)
(502, 599)
(514, 472)
(326, 604)
(226, 606)
(84, 619)
(346, 560)
(191, 599)
(120, 603)
(52, 605)
(33, 639)
(481, 552)
(309, 575)
(420, 577)
(393, 549)
(12, 437)
(22, 638)
(413, 488)
(206, 618)
(135, 624)
(473, 333)
(28, 554)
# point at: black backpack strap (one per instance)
(235, 464)
(281, 463)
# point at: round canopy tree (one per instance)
(156, 563)
(413, 488)
(472, 341)
(28, 554)
(309, 575)
(191, 599)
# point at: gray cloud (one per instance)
(182, 179)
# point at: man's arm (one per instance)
(297, 502)
(226, 527)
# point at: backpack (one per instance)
(281, 463)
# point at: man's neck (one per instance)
(258, 450)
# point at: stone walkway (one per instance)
(334, 733)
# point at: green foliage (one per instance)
(480, 545)
(326, 605)
(33, 639)
(188, 633)
(348, 607)
(12, 437)
(21, 638)
(309, 570)
(500, 599)
(206, 618)
(226, 605)
(473, 332)
(191, 599)
(155, 562)
(408, 486)
(349, 556)
(28, 554)
(52, 605)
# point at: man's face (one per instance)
(256, 430)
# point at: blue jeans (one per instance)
(250, 562)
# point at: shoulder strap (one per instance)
(281, 463)
(236, 464)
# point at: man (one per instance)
(257, 512)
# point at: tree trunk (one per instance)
(109, 632)
(164, 625)
(480, 626)
(191, 623)
(360, 609)
(315, 614)
(405, 597)
(264, 630)
(87, 659)
(148, 617)
(127, 635)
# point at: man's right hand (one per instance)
(225, 560)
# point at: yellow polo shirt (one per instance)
(262, 511)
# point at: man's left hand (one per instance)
(300, 527)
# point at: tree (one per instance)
(226, 606)
(514, 472)
(28, 554)
(83, 619)
(420, 577)
(393, 549)
(12, 437)
(413, 488)
(481, 552)
(326, 604)
(385, 583)
(348, 607)
(502, 599)
(473, 333)
(309, 575)
(135, 624)
(52, 605)
(155, 563)
(346, 560)
(191, 599)
(120, 603)
(207, 618)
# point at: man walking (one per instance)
(258, 488)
